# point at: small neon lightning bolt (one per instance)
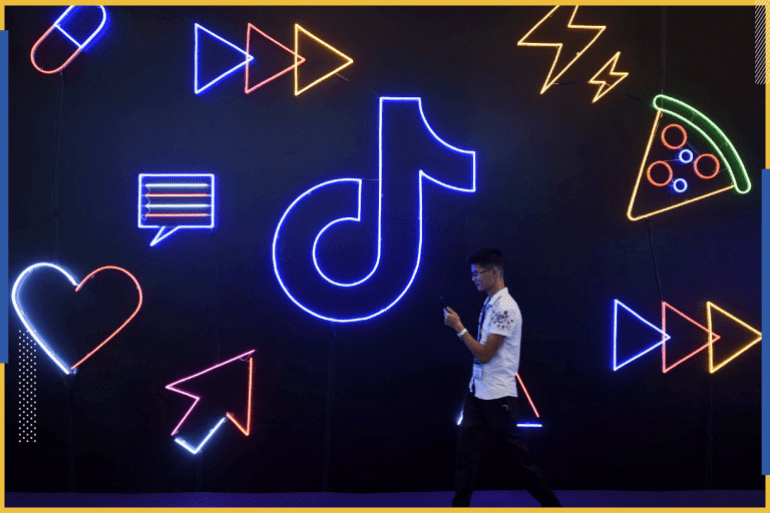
(549, 81)
(604, 87)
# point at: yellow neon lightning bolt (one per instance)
(604, 87)
(549, 81)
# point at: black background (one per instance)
(375, 402)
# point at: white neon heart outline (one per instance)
(36, 336)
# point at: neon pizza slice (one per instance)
(724, 155)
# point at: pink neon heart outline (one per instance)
(77, 289)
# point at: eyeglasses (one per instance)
(477, 274)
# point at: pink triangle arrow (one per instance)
(196, 399)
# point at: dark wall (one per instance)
(371, 406)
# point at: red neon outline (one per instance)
(139, 288)
(695, 166)
(175, 195)
(248, 406)
(246, 87)
(176, 215)
(663, 136)
(37, 43)
(196, 399)
(712, 337)
(527, 394)
(670, 174)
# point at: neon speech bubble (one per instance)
(20, 311)
(175, 201)
(57, 25)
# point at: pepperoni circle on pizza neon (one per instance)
(716, 166)
(658, 164)
(669, 145)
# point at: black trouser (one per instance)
(499, 417)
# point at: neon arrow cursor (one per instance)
(196, 399)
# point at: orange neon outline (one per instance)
(713, 337)
(527, 394)
(297, 90)
(559, 46)
(602, 83)
(712, 368)
(34, 49)
(248, 405)
(695, 166)
(138, 287)
(246, 87)
(670, 174)
(639, 178)
(663, 136)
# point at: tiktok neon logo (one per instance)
(408, 155)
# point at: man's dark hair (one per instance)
(487, 257)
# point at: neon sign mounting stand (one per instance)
(468, 158)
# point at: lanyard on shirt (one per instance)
(482, 316)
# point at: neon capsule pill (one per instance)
(69, 17)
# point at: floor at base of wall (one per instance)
(513, 498)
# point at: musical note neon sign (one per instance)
(392, 173)
(20, 311)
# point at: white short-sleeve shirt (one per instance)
(501, 316)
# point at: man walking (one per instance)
(491, 405)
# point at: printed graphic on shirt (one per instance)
(501, 323)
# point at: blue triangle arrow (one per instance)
(615, 365)
(197, 87)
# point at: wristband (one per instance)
(463, 332)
